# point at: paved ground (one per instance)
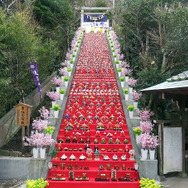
(175, 182)
(172, 182)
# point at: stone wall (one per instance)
(21, 168)
(8, 127)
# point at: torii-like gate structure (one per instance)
(88, 11)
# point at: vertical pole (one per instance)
(113, 3)
(23, 134)
(182, 111)
(28, 130)
(160, 133)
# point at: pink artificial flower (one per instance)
(54, 95)
(146, 126)
(144, 138)
(149, 141)
(62, 71)
(132, 82)
(57, 81)
(126, 72)
(153, 142)
(145, 114)
(38, 140)
(118, 51)
(121, 57)
(65, 63)
(44, 113)
(125, 64)
(68, 55)
(116, 46)
(39, 124)
(136, 96)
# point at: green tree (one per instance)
(20, 44)
(100, 4)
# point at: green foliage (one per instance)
(58, 20)
(73, 55)
(62, 91)
(40, 183)
(100, 4)
(116, 62)
(147, 183)
(69, 69)
(55, 107)
(119, 69)
(113, 50)
(55, 152)
(115, 55)
(66, 79)
(71, 61)
(49, 130)
(131, 108)
(126, 91)
(137, 131)
(21, 43)
(122, 79)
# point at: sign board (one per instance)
(95, 24)
(172, 149)
(23, 114)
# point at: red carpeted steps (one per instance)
(93, 116)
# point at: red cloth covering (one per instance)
(93, 102)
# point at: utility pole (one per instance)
(113, 3)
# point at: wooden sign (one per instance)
(23, 114)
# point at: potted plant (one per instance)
(136, 97)
(112, 45)
(54, 153)
(63, 71)
(113, 50)
(49, 130)
(69, 71)
(119, 71)
(131, 83)
(53, 95)
(62, 92)
(117, 63)
(41, 183)
(46, 140)
(111, 42)
(137, 132)
(56, 110)
(122, 79)
(152, 144)
(144, 138)
(131, 108)
(57, 82)
(71, 63)
(126, 72)
(79, 42)
(66, 79)
(126, 94)
(73, 57)
(115, 57)
(77, 46)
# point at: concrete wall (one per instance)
(20, 168)
(8, 127)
